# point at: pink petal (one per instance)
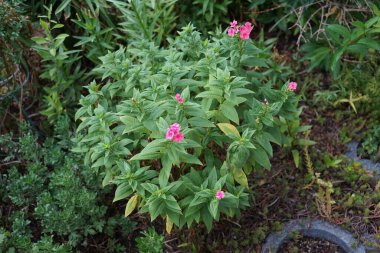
(175, 127)
(169, 134)
(178, 137)
(179, 98)
(219, 195)
(233, 23)
(292, 86)
(231, 32)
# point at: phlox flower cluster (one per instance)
(292, 86)
(179, 98)
(219, 195)
(243, 30)
(173, 133)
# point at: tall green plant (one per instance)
(61, 67)
(149, 20)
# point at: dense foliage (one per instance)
(226, 117)
(47, 188)
(172, 113)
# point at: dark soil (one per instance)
(325, 131)
(309, 245)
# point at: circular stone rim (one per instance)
(313, 228)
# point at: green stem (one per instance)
(240, 54)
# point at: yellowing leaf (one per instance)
(229, 129)
(131, 205)
(240, 177)
(169, 225)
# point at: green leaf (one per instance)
(163, 178)
(213, 207)
(200, 122)
(261, 157)
(107, 178)
(229, 130)
(304, 128)
(189, 82)
(80, 112)
(335, 62)
(304, 142)
(131, 205)
(228, 110)
(370, 43)
(57, 26)
(376, 10)
(263, 140)
(253, 61)
(187, 158)
(39, 40)
(296, 157)
(275, 135)
(62, 6)
(156, 208)
(336, 29)
(152, 151)
(318, 56)
(44, 24)
(150, 187)
(207, 218)
(122, 191)
(217, 94)
(52, 51)
(131, 124)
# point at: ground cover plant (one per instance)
(185, 126)
(50, 194)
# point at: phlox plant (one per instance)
(179, 129)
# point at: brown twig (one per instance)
(268, 10)
(9, 163)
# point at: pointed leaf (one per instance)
(229, 130)
(169, 225)
(131, 205)
(240, 177)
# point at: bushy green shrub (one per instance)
(340, 41)
(49, 194)
(150, 242)
(12, 21)
(178, 129)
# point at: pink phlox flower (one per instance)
(178, 137)
(179, 98)
(231, 32)
(245, 30)
(219, 195)
(173, 133)
(234, 28)
(292, 86)
(170, 134)
(175, 127)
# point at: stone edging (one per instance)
(352, 153)
(313, 228)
